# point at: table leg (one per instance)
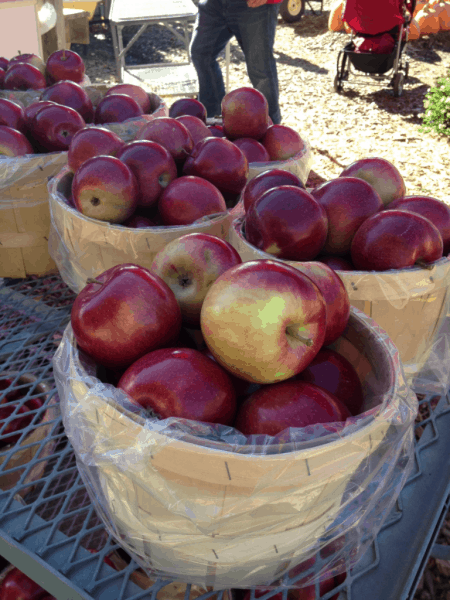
(114, 35)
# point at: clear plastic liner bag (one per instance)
(204, 504)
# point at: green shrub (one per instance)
(437, 108)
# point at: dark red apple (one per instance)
(126, 313)
(242, 387)
(337, 263)
(69, 93)
(188, 199)
(153, 167)
(53, 127)
(382, 176)
(288, 223)
(196, 127)
(4, 62)
(282, 142)
(92, 141)
(181, 383)
(104, 188)
(348, 202)
(220, 162)
(395, 239)
(8, 431)
(11, 114)
(333, 372)
(138, 222)
(116, 108)
(266, 181)
(23, 76)
(2, 78)
(252, 149)
(30, 112)
(436, 211)
(136, 92)
(245, 112)
(279, 406)
(171, 134)
(17, 586)
(13, 143)
(188, 106)
(64, 65)
(216, 131)
(31, 59)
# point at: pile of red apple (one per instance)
(205, 337)
(360, 220)
(178, 169)
(10, 406)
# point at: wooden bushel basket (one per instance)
(203, 514)
(409, 304)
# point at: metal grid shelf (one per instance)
(48, 527)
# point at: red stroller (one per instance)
(379, 37)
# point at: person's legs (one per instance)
(210, 37)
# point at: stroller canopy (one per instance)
(371, 17)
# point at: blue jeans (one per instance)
(254, 28)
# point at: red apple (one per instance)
(188, 106)
(153, 167)
(136, 92)
(189, 265)
(23, 76)
(245, 112)
(124, 314)
(138, 222)
(196, 127)
(241, 387)
(4, 62)
(13, 425)
(116, 108)
(434, 210)
(92, 141)
(333, 372)
(17, 586)
(104, 188)
(69, 93)
(263, 321)
(382, 176)
(274, 408)
(221, 162)
(31, 59)
(348, 202)
(171, 134)
(337, 263)
(395, 239)
(183, 383)
(252, 149)
(30, 112)
(2, 78)
(11, 114)
(188, 199)
(13, 143)
(266, 181)
(53, 127)
(282, 142)
(65, 65)
(288, 223)
(216, 130)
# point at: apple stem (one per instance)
(93, 280)
(292, 331)
(424, 265)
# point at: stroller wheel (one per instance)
(397, 82)
(337, 84)
(292, 10)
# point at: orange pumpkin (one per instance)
(414, 30)
(335, 19)
(428, 21)
(444, 17)
(420, 4)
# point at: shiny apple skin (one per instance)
(13, 143)
(129, 314)
(24, 76)
(53, 127)
(2, 77)
(221, 162)
(282, 142)
(153, 167)
(11, 115)
(252, 149)
(32, 59)
(337, 263)
(188, 106)
(267, 180)
(288, 223)
(335, 295)
(30, 111)
(183, 383)
(216, 131)
(116, 108)
(348, 202)
(245, 113)
(136, 92)
(251, 314)
(190, 265)
(4, 63)
(65, 65)
(274, 408)
(333, 372)
(382, 175)
(104, 188)
(69, 93)
(195, 126)
(138, 222)
(171, 134)
(189, 198)
(395, 239)
(242, 387)
(90, 142)
(436, 211)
